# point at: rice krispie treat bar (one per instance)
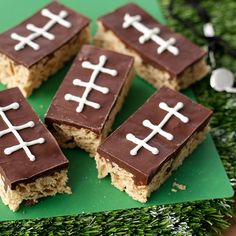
(32, 165)
(162, 57)
(39, 46)
(154, 141)
(85, 106)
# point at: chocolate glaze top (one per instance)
(17, 168)
(145, 165)
(64, 112)
(28, 56)
(189, 53)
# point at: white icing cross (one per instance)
(37, 32)
(150, 34)
(97, 68)
(157, 129)
(14, 130)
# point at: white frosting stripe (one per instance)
(157, 129)
(89, 86)
(141, 143)
(70, 97)
(99, 68)
(173, 111)
(42, 32)
(37, 32)
(150, 34)
(14, 130)
(24, 145)
(13, 106)
(59, 19)
(19, 127)
(78, 82)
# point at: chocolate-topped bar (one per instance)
(93, 91)
(154, 140)
(162, 57)
(39, 46)
(31, 162)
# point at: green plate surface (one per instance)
(202, 173)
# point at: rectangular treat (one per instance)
(39, 46)
(31, 164)
(162, 57)
(155, 140)
(85, 106)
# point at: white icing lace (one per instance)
(150, 34)
(38, 32)
(14, 130)
(91, 84)
(157, 129)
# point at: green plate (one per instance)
(202, 173)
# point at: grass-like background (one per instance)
(202, 218)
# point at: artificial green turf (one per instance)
(202, 218)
